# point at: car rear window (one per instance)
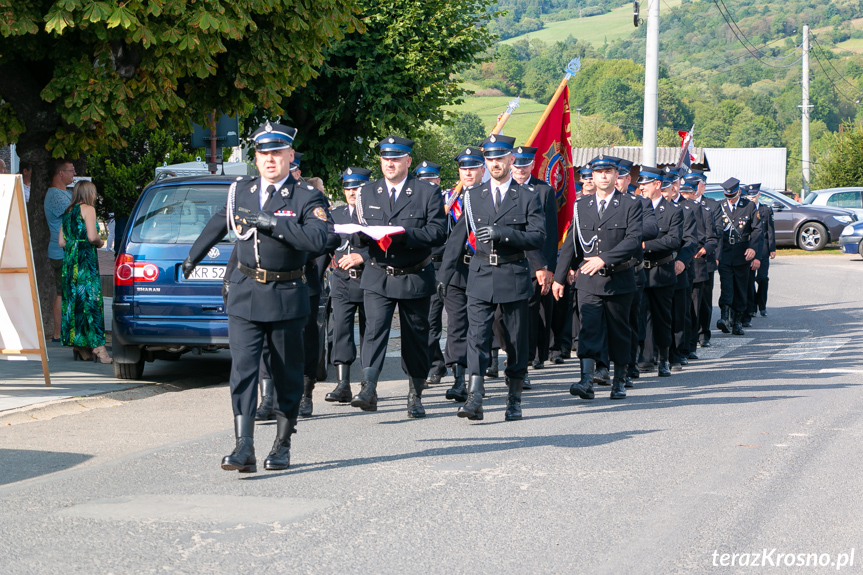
(178, 214)
(844, 200)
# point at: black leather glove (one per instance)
(188, 267)
(441, 290)
(488, 234)
(264, 221)
(226, 287)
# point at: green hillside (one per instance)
(595, 30)
(521, 122)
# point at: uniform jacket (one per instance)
(618, 236)
(548, 203)
(456, 273)
(667, 242)
(744, 221)
(437, 251)
(341, 245)
(521, 223)
(301, 230)
(768, 230)
(649, 225)
(711, 207)
(707, 239)
(419, 209)
(691, 241)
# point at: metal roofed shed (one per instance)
(664, 156)
(749, 165)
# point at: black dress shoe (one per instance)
(566, 353)
(675, 367)
(538, 364)
(433, 379)
(525, 385)
(557, 360)
(764, 313)
(706, 343)
(646, 367)
(684, 361)
(747, 321)
(633, 372)
(692, 355)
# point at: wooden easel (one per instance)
(21, 330)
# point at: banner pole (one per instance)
(571, 69)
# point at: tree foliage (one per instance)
(842, 164)
(395, 77)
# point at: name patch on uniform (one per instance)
(320, 213)
(284, 214)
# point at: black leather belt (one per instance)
(609, 270)
(264, 276)
(437, 258)
(352, 273)
(734, 238)
(649, 264)
(466, 259)
(639, 267)
(393, 271)
(496, 260)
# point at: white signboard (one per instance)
(21, 333)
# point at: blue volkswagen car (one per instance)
(157, 313)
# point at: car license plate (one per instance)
(208, 274)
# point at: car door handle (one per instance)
(211, 308)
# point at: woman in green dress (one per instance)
(83, 321)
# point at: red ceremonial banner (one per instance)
(553, 162)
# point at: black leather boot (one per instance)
(738, 327)
(242, 458)
(458, 391)
(584, 387)
(268, 400)
(280, 455)
(306, 401)
(664, 367)
(601, 376)
(526, 383)
(472, 408)
(492, 369)
(513, 400)
(367, 398)
(627, 379)
(342, 393)
(724, 321)
(415, 390)
(633, 372)
(432, 379)
(618, 386)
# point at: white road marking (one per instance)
(722, 346)
(811, 348)
(772, 330)
(839, 370)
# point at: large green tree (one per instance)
(395, 77)
(74, 73)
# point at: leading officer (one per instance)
(402, 273)
(278, 224)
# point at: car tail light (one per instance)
(127, 271)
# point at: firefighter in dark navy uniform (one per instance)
(702, 293)
(278, 224)
(349, 259)
(602, 245)
(402, 274)
(740, 252)
(758, 297)
(506, 221)
(430, 172)
(452, 278)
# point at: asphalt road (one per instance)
(753, 448)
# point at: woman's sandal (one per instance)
(81, 354)
(100, 355)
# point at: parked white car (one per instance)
(848, 198)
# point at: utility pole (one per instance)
(804, 125)
(651, 86)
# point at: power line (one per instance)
(829, 79)
(728, 19)
(844, 79)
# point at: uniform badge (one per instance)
(380, 190)
(214, 252)
(519, 150)
(425, 164)
(758, 215)
(615, 202)
(284, 214)
(285, 193)
(254, 188)
(350, 171)
(468, 152)
(492, 138)
(239, 229)
(408, 191)
(268, 127)
(320, 213)
(392, 141)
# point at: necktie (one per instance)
(392, 199)
(271, 190)
(601, 207)
(496, 199)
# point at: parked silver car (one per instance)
(846, 198)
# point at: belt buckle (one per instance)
(352, 273)
(260, 275)
(731, 239)
(391, 271)
(603, 271)
(492, 259)
(467, 258)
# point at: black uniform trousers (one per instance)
(732, 286)
(605, 318)
(705, 314)
(344, 345)
(656, 311)
(539, 314)
(761, 281)
(284, 339)
(414, 321)
(636, 322)
(561, 322)
(680, 301)
(436, 357)
(514, 325)
(696, 310)
(455, 303)
(311, 337)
